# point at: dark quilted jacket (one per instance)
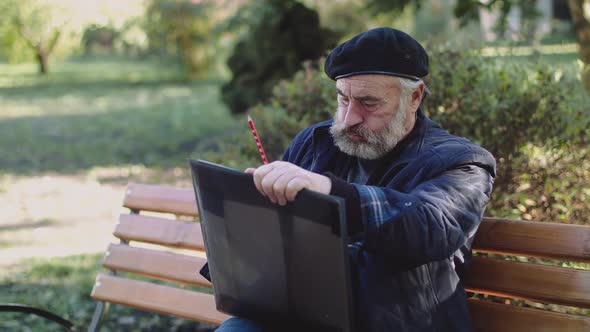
(414, 222)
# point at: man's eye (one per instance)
(344, 101)
(369, 103)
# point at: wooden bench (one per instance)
(489, 276)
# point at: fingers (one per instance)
(272, 186)
(281, 188)
(294, 186)
(250, 170)
(280, 181)
(259, 175)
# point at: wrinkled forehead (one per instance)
(367, 85)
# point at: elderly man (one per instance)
(414, 194)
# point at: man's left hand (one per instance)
(280, 181)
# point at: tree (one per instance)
(34, 24)
(182, 28)
(281, 35)
(98, 36)
(582, 28)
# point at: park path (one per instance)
(56, 216)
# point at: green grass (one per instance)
(559, 38)
(103, 113)
(89, 113)
(88, 70)
(552, 54)
(62, 286)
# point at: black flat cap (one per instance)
(384, 51)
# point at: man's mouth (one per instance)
(356, 137)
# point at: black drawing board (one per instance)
(266, 260)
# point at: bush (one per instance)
(549, 184)
(308, 97)
(529, 115)
(182, 28)
(283, 35)
(526, 115)
(295, 104)
(237, 148)
(99, 39)
(503, 105)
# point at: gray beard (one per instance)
(376, 144)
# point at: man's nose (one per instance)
(352, 117)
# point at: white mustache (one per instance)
(358, 129)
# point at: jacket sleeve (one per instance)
(297, 148)
(430, 222)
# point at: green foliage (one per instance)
(549, 184)
(530, 116)
(63, 286)
(396, 6)
(182, 28)
(529, 113)
(98, 36)
(295, 104)
(308, 97)
(345, 18)
(283, 34)
(503, 105)
(30, 27)
(237, 148)
(12, 47)
(108, 40)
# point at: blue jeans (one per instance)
(236, 324)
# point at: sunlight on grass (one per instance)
(104, 99)
(103, 113)
(564, 57)
(87, 70)
(529, 50)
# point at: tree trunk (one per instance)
(42, 60)
(582, 27)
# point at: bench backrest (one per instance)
(525, 265)
(180, 254)
(175, 254)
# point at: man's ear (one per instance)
(417, 96)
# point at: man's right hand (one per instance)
(280, 181)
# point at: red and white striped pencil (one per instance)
(257, 139)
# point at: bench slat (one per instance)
(180, 234)
(161, 199)
(493, 317)
(157, 298)
(537, 239)
(535, 282)
(156, 264)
